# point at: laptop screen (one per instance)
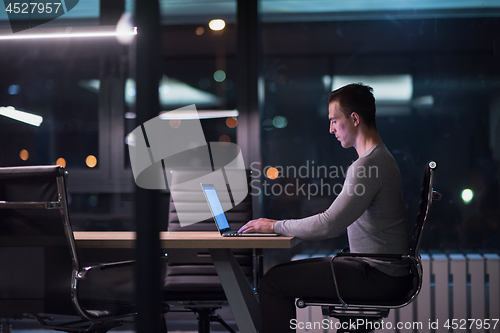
(216, 207)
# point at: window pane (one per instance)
(435, 76)
(65, 92)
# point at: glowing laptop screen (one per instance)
(216, 207)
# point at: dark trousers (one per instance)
(312, 278)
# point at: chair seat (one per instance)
(105, 309)
(334, 302)
(393, 302)
(182, 288)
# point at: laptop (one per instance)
(220, 217)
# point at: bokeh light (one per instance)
(267, 124)
(200, 31)
(224, 140)
(24, 155)
(280, 122)
(61, 161)
(467, 195)
(231, 122)
(219, 75)
(91, 161)
(217, 24)
(174, 123)
(272, 173)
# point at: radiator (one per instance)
(460, 293)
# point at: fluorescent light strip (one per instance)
(388, 88)
(22, 116)
(72, 35)
(204, 114)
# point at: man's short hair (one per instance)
(356, 97)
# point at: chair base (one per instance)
(79, 325)
(356, 321)
(207, 316)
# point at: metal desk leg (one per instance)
(238, 291)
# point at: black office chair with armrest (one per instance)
(191, 280)
(40, 276)
(349, 312)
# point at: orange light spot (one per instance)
(91, 161)
(224, 140)
(61, 161)
(200, 31)
(24, 155)
(174, 123)
(231, 122)
(272, 173)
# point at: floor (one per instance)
(177, 322)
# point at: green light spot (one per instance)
(219, 75)
(267, 124)
(280, 122)
(467, 195)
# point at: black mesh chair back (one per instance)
(426, 196)
(35, 254)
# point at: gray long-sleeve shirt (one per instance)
(370, 206)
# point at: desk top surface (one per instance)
(182, 240)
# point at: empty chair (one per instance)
(191, 280)
(40, 274)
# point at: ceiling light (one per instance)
(174, 93)
(386, 88)
(25, 117)
(130, 115)
(71, 33)
(201, 114)
(217, 25)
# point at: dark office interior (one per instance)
(437, 64)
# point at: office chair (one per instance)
(370, 312)
(41, 277)
(191, 280)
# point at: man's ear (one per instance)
(355, 118)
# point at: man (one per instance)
(370, 206)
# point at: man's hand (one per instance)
(262, 225)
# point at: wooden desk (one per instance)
(182, 240)
(238, 291)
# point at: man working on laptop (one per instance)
(370, 206)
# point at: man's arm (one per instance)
(354, 199)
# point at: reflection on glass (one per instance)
(434, 70)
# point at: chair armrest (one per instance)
(30, 205)
(82, 274)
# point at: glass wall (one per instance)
(74, 86)
(433, 64)
(84, 92)
(435, 74)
